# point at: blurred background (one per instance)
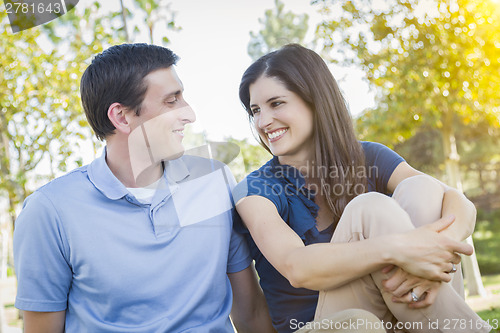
(422, 77)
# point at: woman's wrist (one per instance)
(390, 247)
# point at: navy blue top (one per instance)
(285, 187)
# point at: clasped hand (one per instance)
(425, 261)
(401, 284)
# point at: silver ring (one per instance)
(453, 268)
(414, 296)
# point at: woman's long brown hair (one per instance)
(338, 157)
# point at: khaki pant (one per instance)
(346, 321)
(418, 200)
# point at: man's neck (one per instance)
(120, 164)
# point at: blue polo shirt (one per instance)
(285, 187)
(84, 244)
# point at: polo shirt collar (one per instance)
(105, 181)
(176, 170)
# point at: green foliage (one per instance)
(423, 151)
(10, 271)
(279, 28)
(487, 241)
(156, 13)
(39, 110)
(41, 118)
(477, 145)
(434, 65)
(252, 157)
(493, 282)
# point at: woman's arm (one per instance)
(328, 265)
(454, 203)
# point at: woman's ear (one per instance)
(117, 115)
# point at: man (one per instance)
(141, 239)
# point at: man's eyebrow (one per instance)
(269, 100)
(173, 93)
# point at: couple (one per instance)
(142, 239)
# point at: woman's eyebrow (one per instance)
(269, 100)
(274, 98)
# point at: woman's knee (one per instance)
(422, 187)
(372, 202)
(374, 213)
(421, 197)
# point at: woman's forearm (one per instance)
(326, 265)
(423, 252)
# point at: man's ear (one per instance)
(117, 114)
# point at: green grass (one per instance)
(491, 280)
(492, 315)
(487, 245)
(487, 241)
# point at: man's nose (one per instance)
(187, 114)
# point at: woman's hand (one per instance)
(401, 284)
(425, 253)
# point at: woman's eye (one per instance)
(255, 111)
(275, 104)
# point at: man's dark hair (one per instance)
(117, 76)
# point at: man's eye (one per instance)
(172, 100)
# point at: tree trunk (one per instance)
(4, 253)
(2, 315)
(469, 263)
(124, 18)
(2, 312)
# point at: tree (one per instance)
(155, 12)
(41, 115)
(279, 28)
(252, 157)
(41, 119)
(39, 110)
(434, 65)
(124, 18)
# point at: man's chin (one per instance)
(174, 156)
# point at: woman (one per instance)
(312, 227)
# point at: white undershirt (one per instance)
(145, 194)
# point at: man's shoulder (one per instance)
(58, 192)
(201, 166)
(192, 160)
(69, 181)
